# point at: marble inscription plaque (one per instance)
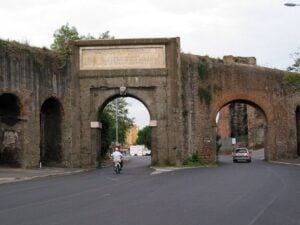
(123, 57)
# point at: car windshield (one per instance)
(241, 150)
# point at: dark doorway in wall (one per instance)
(9, 109)
(9, 131)
(51, 133)
(298, 129)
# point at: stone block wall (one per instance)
(31, 75)
(211, 84)
(183, 98)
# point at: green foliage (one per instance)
(68, 33)
(144, 137)
(108, 120)
(61, 37)
(168, 163)
(292, 81)
(106, 35)
(202, 71)
(296, 66)
(194, 160)
(205, 96)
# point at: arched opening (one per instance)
(51, 133)
(9, 132)
(298, 129)
(125, 125)
(241, 123)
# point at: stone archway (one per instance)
(99, 135)
(258, 105)
(145, 68)
(10, 146)
(51, 132)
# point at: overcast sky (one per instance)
(265, 29)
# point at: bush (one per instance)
(194, 160)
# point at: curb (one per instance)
(6, 180)
(285, 163)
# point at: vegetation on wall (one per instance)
(203, 71)
(292, 81)
(194, 160)
(296, 66)
(39, 57)
(204, 95)
(206, 89)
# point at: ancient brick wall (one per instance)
(45, 100)
(211, 84)
(30, 76)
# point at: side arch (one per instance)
(11, 129)
(51, 118)
(250, 99)
(256, 102)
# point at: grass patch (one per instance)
(193, 161)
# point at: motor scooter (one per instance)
(117, 167)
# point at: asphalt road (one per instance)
(256, 193)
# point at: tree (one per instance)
(296, 66)
(68, 33)
(144, 137)
(291, 80)
(61, 37)
(108, 120)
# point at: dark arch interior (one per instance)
(9, 109)
(9, 133)
(51, 133)
(298, 129)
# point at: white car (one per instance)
(241, 154)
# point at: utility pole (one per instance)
(117, 122)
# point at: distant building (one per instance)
(132, 135)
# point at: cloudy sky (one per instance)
(265, 29)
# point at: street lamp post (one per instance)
(291, 4)
(117, 123)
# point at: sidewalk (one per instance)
(9, 175)
(295, 162)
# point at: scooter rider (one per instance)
(117, 157)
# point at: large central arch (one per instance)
(146, 69)
(103, 105)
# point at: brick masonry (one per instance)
(183, 98)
